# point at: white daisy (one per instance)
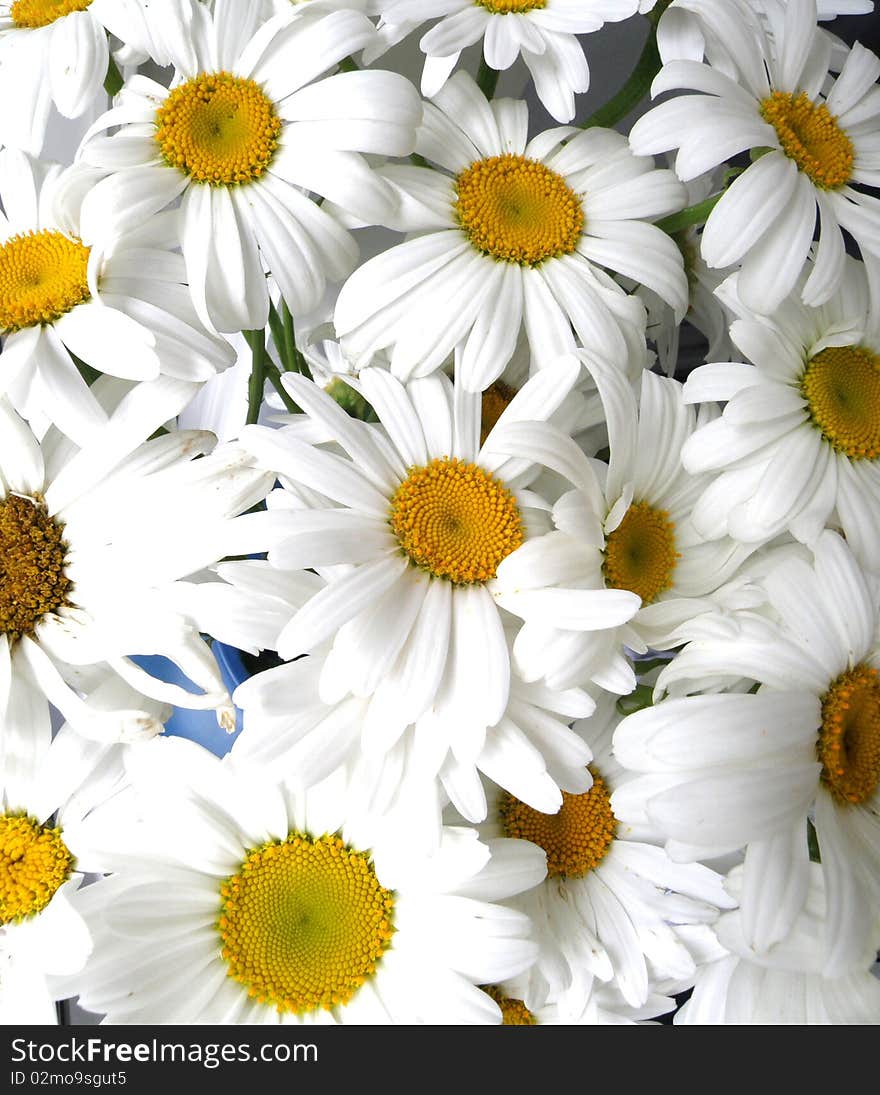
(822, 145)
(512, 232)
(50, 799)
(799, 439)
(420, 516)
(624, 527)
(785, 985)
(56, 51)
(120, 305)
(723, 772)
(239, 901)
(92, 542)
(250, 124)
(543, 31)
(610, 907)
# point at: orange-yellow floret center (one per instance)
(518, 210)
(514, 1013)
(849, 738)
(43, 275)
(809, 135)
(576, 839)
(40, 13)
(640, 553)
(455, 520)
(506, 7)
(219, 129)
(304, 922)
(33, 578)
(842, 388)
(34, 862)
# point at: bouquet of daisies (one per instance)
(533, 464)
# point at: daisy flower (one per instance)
(543, 31)
(611, 904)
(275, 909)
(816, 147)
(50, 802)
(56, 51)
(512, 233)
(250, 124)
(799, 440)
(624, 527)
(92, 542)
(785, 985)
(409, 528)
(606, 1007)
(723, 772)
(67, 288)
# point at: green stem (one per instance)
(634, 90)
(296, 359)
(348, 65)
(113, 80)
(277, 329)
(257, 342)
(274, 378)
(487, 79)
(694, 214)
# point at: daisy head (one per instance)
(277, 910)
(421, 515)
(250, 124)
(814, 146)
(70, 292)
(748, 769)
(813, 452)
(512, 234)
(542, 31)
(601, 915)
(52, 796)
(89, 571)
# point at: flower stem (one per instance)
(487, 78)
(113, 80)
(257, 342)
(274, 378)
(348, 64)
(634, 90)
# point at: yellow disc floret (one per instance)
(506, 7)
(842, 387)
(514, 1013)
(304, 922)
(218, 128)
(809, 135)
(455, 520)
(849, 738)
(640, 553)
(33, 581)
(40, 13)
(576, 839)
(34, 862)
(518, 210)
(42, 276)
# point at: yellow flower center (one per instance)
(219, 129)
(505, 7)
(33, 581)
(455, 520)
(849, 739)
(34, 862)
(496, 400)
(640, 553)
(842, 387)
(576, 839)
(40, 13)
(304, 922)
(518, 210)
(810, 136)
(514, 1013)
(42, 276)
